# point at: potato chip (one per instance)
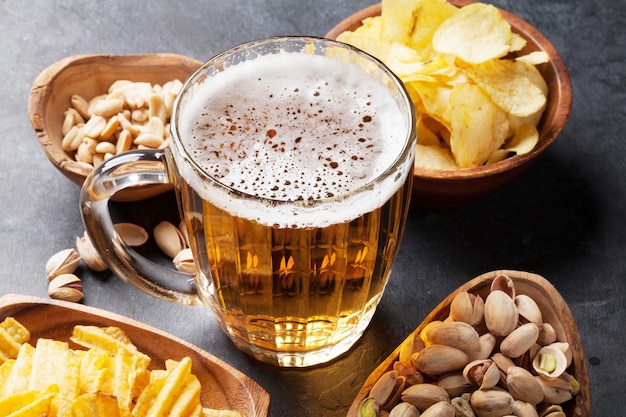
(397, 19)
(433, 157)
(525, 139)
(26, 404)
(476, 33)
(429, 15)
(110, 339)
(95, 404)
(476, 129)
(18, 378)
(508, 84)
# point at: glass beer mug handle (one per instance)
(131, 169)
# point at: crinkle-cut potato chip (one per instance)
(109, 379)
(479, 127)
(434, 47)
(476, 33)
(508, 85)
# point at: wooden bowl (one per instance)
(223, 387)
(554, 311)
(89, 76)
(436, 189)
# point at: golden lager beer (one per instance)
(294, 181)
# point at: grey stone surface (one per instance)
(563, 218)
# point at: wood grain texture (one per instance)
(89, 76)
(554, 311)
(436, 189)
(223, 387)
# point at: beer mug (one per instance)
(292, 161)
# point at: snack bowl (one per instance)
(90, 76)
(554, 310)
(439, 189)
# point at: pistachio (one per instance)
(387, 390)
(169, 238)
(483, 373)
(439, 409)
(66, 287)
(467, 308)
(440, 359)
(131, 234)
(89, 254)
(184, 261)
(404, 410)
(555, 391)
(505, 284)
(462, 407)
(368, 408)
(455, 334)
(424, 395)
(520, 340)
(63, 262)
(547, 334)
(551, 410)
(524, 409)
(503, 362)
(528, 309)
(455, 384)
(411, 375)
(550, 361)
(492, 402)
(501, 314)
(523, 386)
(182, 228)
(486, 344)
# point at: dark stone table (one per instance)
(563, 218)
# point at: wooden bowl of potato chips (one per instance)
(87, 108)
(491, 92)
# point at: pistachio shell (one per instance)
(439, 409)
(456, 334)
(169, 238)
(505, 284)
(482, 373)
(455, 384)
(523, 386)
(412, 376)
(467, 307)
(368, 408)
(387, 390)
(440, 359)
(500, 313)
(411, 345)
(462, 407)
(131, 234)
(550, 361)
(423, 396)
(555, 391)
(66, 287)
(492, 403)
(524, 409)
(486, 344)
(547, 334)
(404, 410)
(184, 261)
(520, 340)
(63, 262)
(89, 254)
(528, 309)
(551, 410)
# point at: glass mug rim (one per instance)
(390, 170)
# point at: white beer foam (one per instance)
(291, 127)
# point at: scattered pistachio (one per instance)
(63, 262)
(66, 287)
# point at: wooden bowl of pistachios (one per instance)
(504, 343)
(87, 108)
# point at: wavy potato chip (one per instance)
(477, 126)
(477, 33)
(509, 85)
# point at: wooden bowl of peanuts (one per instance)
(87, 108)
